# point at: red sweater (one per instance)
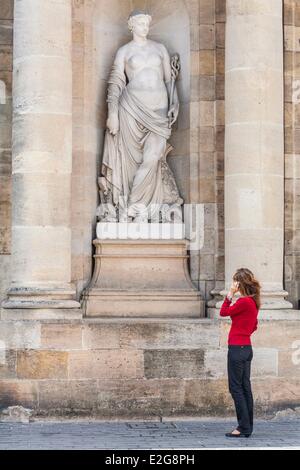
(243, 314)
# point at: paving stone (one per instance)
(178, 434)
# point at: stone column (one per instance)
(254, 145)
(42, 156)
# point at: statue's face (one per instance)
(140, 25)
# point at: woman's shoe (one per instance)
(230, 434)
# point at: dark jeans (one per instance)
(239, 369)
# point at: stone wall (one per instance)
(6, 42)
(206, 159)
(86, 142)
(211, 145)
(122, 367)
(292, 148)
(141, 368)
(204, 268)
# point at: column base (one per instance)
(217, 297)
(40, 297)
(270, 300)
(171, 304)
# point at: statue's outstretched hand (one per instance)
(112, 124)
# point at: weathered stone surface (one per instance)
(220, 116)
(206, 86)
(220, 61)
(143, 278)
(282, 334)
(5, 243)
(7, 363)
(101, 335)
(194, 11)
(246, 20)
(16, 414)
(274, 393)
(35, 314)
(42, 86)
(33, 364)
(289, 362)
(208, 397)
(7, 9)
(5, 169)
(61, 336)
(111, 398)
(167, 335)
(207, 36)
(195, 37)
(4, 276)
(207, 12)
(207, 113)
(33, 185)
(288, 11)
(264, 364)
(268, 334)
(134, 397)
(170, 363)
(21, 392)
(20, 335)
(106, 364)
(220, 87)
(62, 396)
(220, 10)
(6, 57)
(288, 413)
(206, 62)
(220, 138)
(5, 121)
(220, 35)
(207, 139)
(156, 367)
(6, 32)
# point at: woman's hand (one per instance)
(233, 289)
(112, 124)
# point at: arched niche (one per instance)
(170, 26)
(100, 28)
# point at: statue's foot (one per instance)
(125, 219)
(141, 219)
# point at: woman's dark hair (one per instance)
(248, 284)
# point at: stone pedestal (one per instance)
(142, 278)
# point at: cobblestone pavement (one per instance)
(145, 435)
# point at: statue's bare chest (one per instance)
(140, 60)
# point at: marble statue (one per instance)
(136, 183)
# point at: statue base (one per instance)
(137, 231)
(142, 278)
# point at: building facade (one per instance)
(235, 158)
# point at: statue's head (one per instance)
(139, 22)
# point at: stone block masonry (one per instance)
(141, 368)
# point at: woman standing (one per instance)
(243, 314)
